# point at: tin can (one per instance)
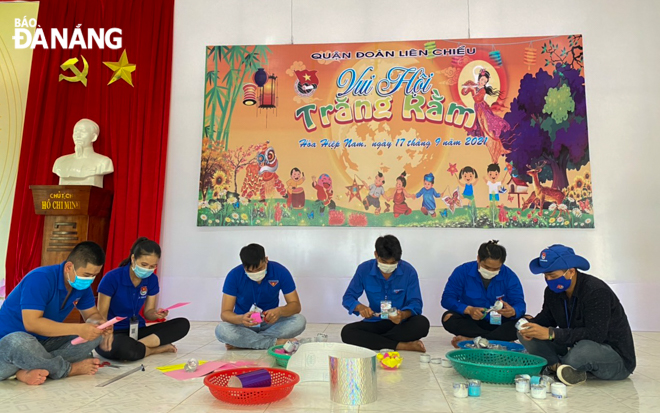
(460, 389)
(474, 388)
(520, 324)
(522, 384)
(559, 390)
(481, 342)
(547, 381)
(538, 391)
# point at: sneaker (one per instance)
(569, 376)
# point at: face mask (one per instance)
(80, 283)
(142, 272)
(559, 285)
(387, 268)
(256, 276)
(487, 274)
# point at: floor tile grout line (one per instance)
(189, 396)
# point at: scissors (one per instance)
(107, 364)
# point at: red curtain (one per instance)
(133, 121)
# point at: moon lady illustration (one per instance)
(488, 124)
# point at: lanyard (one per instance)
(569, 317)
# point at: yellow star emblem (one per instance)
(307, 77)
(122, 69)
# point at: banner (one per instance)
(14, 79)
(478, 133)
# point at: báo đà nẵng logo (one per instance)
(64, 38)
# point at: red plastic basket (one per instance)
(282, 384)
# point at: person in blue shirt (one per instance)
(393, 319)
(429, 194)
(123, 292)
(473, 288)
(35, 343)
(467, 178)
(254, 288)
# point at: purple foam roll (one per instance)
(257, 378)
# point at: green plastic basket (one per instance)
(495, 366)
(281, 359)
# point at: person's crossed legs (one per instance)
(33, 360)
(262, 336)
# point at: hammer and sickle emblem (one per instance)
(79, 76)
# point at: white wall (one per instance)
(622, 66)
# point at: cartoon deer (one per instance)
(530, 199)
(543, 193)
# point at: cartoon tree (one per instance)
(239, 63)
(548, 122)
(239, 158)
(572, 56)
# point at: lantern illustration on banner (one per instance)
(268, 98)
(260, 77)
(530, 57)
(496, 57)
(249, 94)
(430, 47)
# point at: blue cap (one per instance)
(557, 257)
(429, 177)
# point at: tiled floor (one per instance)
(415, 387)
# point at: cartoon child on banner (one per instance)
(495, 187)
(399, 197)
(295, 190)
(262, 177)
(488, 124)
(376, 190)
(324, 192)
(428, 194)
(467, 178)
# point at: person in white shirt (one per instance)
(494, 186)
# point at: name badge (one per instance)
(133, 329)
(495, 318)
(256, 309)
(385, 307)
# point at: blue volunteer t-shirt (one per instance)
(126, 300)
(465, 287)
(402, 289)
(266, 295)
(42, 289)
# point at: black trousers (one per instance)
(128, 349)
(385, 334)
(464, 325)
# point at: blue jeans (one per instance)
(23, 351)
(586, 355)
(262, 336)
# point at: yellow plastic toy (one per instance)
(390, 360)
